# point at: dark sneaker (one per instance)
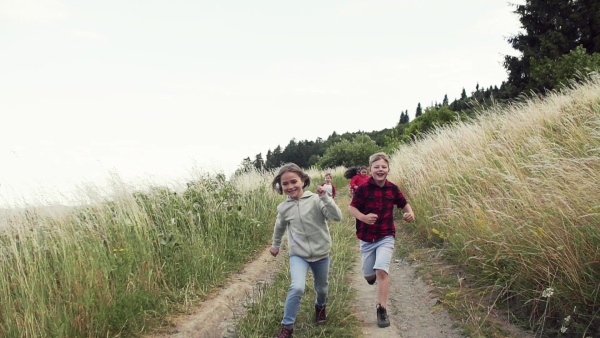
(382, 317)
(372, 281)
(286, 332)
(320, 317)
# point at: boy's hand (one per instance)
(409, 217)
(370, 219)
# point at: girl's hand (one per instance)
(274, 252)
(408, 216)
(321, 191)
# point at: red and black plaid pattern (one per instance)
(371, 198)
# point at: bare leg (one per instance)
(383, 287)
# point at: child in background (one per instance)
(373, 207)
(304, 215)
(329, 187)
(359, 176)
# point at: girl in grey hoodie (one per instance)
(304, 215)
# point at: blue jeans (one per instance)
(298, 270)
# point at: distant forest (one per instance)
(559, 42)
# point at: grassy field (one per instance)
(513, 199)
(508, 200)
(116, 267)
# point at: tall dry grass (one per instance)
(514, 195)
(114, 267)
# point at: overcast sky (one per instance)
(156, 88)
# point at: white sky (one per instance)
(151, 89)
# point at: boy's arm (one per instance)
(368, 219)
(408, 216)
(355, 213)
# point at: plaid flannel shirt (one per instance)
(371, 198)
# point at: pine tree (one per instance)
(268, 160)
(445, 101)
(551, 28)
(259, 163)
(587, 15)
(419, 111)
(406, 118)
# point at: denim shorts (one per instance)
(377, 255)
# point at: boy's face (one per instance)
(363, 172)
(379, 171)
(328, 179)
(292, 184)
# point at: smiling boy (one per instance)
(373, 207)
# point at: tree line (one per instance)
(559, 42)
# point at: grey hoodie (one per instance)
(306, 222)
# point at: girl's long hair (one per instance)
(348, 174)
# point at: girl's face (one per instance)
(363, 172)
(328, 179)
(292, 184)
(379, 171)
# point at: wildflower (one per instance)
(548, 293)
(566, 321)
(439, 233)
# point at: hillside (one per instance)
(512, 198)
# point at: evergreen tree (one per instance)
(259, 163)
(587, 15)
(404, 119)
(445, 101)
(273, 159)
(463, 94)
(419, 111)
(268, 159)
(289, 153)
(455, 106)
(551, 29)
(244, 167)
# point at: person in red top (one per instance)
(358, 179)
(329, 187)
(373, 207)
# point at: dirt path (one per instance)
(410, 306)
(215, 317)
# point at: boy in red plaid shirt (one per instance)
(373, 207)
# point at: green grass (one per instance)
(115, 268)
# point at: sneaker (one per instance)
(372, 281)
(286, 332)
(382, 317)
(320, 317)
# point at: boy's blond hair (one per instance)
(377, 157)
